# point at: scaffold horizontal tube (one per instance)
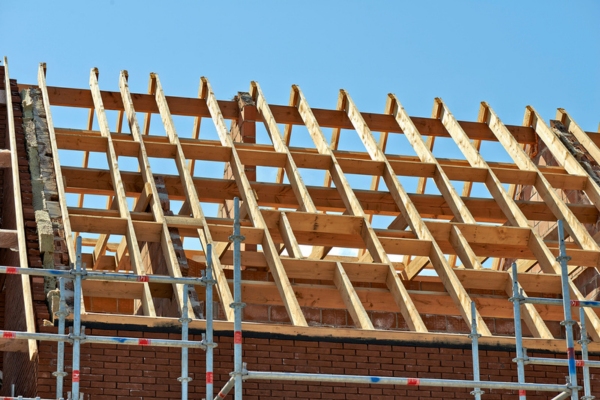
(386, 380)
(102, 339)
(33, 336)
(561, 362)
(143, 342)
(558, 302)
(103, 276)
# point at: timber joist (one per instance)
(324, 245)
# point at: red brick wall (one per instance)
(113, 372)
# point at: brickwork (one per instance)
(114, 372)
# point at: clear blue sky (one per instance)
(508, 53)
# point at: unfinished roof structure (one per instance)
(338, 276)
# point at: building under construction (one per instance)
(368, 267)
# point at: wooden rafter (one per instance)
(459, 209)
(410, 213)
(120, 196)
(442, 227)
(150, 194)
(249, 197)
(513, 213)
(18, 210)
(372, 242)
(191, 195)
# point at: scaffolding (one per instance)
(279, 216)
(570, 389)
(77, 335)
(240, 373)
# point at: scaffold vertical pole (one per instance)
(185, 320)
(76, 336)
(568, 322)
(520, 359)
(209, 323)
(60, 353)
(477, 392)
(237, 305)
(584, 357)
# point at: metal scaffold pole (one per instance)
(587, 387)
(209, 323)
(185, 320)
(568, 322)
(477, 392)
(76, 336)
(240, 373)
(520, 359)
(60, 354)
(237, 305)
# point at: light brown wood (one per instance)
(249, 197)
(433, 230)
(592, 190)
(193, 107)
(350, 298)
(150, 195)
(423, 149)
(120, 196)
(429, 339)
(191, 197)
(410, 213)
(29, 316)
(287, 234)
(353, 208)
(506, 202)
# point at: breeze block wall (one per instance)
(114, 372)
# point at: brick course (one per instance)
(112, 372)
